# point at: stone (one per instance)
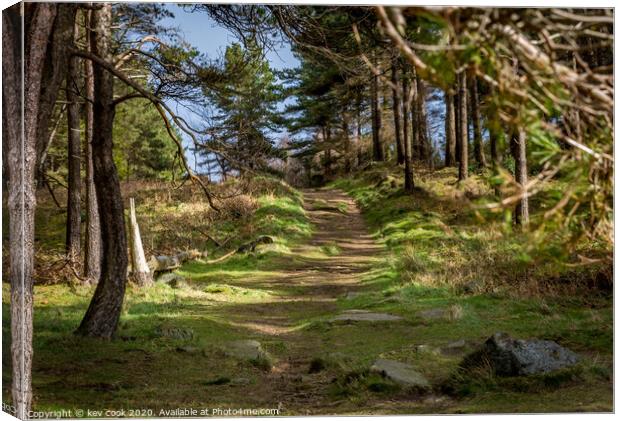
(518, 357)
(246, 349)
(454, 348)
(427, 349)
(401, 373)
(174, 332)
(364, 316)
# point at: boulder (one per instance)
(364, 316)
(246, 349)
(401, 373)
(518, 357)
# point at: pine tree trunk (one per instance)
(92, 243)
(140, 269)
(457, 124)
(415, 124)
(358, 128)
(21, 157)
(450, 130)
(396, 109)
(463, 161)
(475, 115)
(519, 153)
(101, 318)
(377, 147)
(72, 242)
(409, 182)
(347, 142)
(424, 145)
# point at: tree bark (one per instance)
(415, 123)
(519, 153)
(463, 162)
(424, 146)
(54, 71)
(327, 157)
(347, 141)
(101, 318)
(457, 123)
(140, 268)
(72, 243)
(20, 128)
(396, 109)
(475, 115)
(409, 182)
(92, 243)
(377, 147)
(450, 129)
(358, 130)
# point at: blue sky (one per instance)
(198, 29)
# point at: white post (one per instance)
(141, 271)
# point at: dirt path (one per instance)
(308, 287)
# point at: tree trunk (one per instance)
(377, 147)
(415, 123)
(72, 242)
(519, 153)
(92, 243)
(140, 268)
(358, 131)
(327, 138)
(475, 115)
(409, 183)
(347, 141)
(21, 143)
(457, 124)
(424, 146)
(463, 162)
(450, 129)
(396, 109)
(101, 318)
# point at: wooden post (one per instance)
(140, 268)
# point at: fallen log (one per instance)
(245, 248)
(167, 263)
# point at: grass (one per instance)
(438, 256)
(442, 255)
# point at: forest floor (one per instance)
(285, 296)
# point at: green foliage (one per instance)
(143, 149)
(246, 103)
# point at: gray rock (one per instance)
(454, 348)
(427, 349)
(401, 373)
(246, 349)
(351, 295)
(364, 316)
(518, 357)
(174, 332)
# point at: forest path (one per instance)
(307, 286)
